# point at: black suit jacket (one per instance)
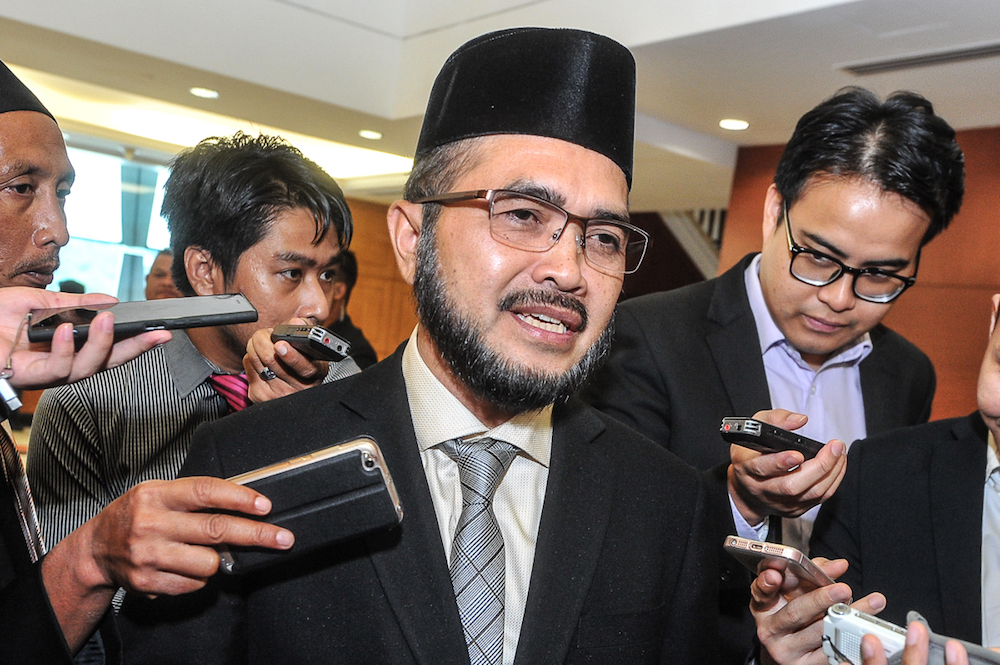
(682, 360)
(908, 518)
(29, 631)
(623, 571)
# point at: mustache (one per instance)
(533, 297)
(39, 264)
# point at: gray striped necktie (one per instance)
(477, 556)
(13, 472)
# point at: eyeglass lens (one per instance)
(529, 223)
(820, 270)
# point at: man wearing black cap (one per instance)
(152, 539)
(535, 529)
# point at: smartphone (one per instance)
(765, 438)
(315, 342)
(324, 497)
(751, 552)
(133, 318)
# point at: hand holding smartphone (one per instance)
(751, 552)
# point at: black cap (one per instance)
(565, 84)
(15, 96)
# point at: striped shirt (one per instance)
(93, 440)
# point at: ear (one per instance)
(405, 220)
(773, 216)
(996, 309)
(204, 274)
(339, 290)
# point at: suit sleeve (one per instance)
(206, 627)
(836, 531)
(629, 387)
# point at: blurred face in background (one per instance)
(159, 283)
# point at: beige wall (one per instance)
(947, 312)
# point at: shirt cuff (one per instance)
(744, 529)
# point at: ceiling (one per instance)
(328, 68)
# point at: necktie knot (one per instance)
(234, 388)
(481, 466)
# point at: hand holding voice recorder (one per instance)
(764, 438)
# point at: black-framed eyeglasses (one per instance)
(819, 269)
(523, 221)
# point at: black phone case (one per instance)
(324, 503)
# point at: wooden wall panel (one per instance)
(381, 303)
(947, 313)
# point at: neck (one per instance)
(487, 413)
(215, 344)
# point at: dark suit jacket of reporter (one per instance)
(29, 632)
(624, 568)
(908, 517)
(682, 360)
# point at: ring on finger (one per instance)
(268, 374)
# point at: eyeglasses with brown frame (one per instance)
(523, 221)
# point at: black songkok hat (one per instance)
(565, 84)
(15, 96)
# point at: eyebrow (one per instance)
(299, 259)
(532, 188)
(18, 168)
(895, 263)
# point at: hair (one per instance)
(437, 170)
(347, 272)
(899, 145)
(223, 194)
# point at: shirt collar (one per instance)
(188, 369)
(992, 459)
(439, 416)
(770, 336)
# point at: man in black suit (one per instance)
(862, 185)
(916, 520)
(152, 540)
(605, 556)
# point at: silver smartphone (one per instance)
(751, 552)
(324, 497)
(134, 318)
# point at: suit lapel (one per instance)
(409, 561)
(958, 469)
(735, 344)
(878, 388)
(570, 537)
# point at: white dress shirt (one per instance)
(439, 416)
(991, 548)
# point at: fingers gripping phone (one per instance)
(765, 438)
(751, 552)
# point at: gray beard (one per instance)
(509, 386)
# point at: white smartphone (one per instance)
(751, 552)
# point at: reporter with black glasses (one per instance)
(862, 186)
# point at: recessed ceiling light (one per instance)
(204, 93)
(733, 124)
(370, 134)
